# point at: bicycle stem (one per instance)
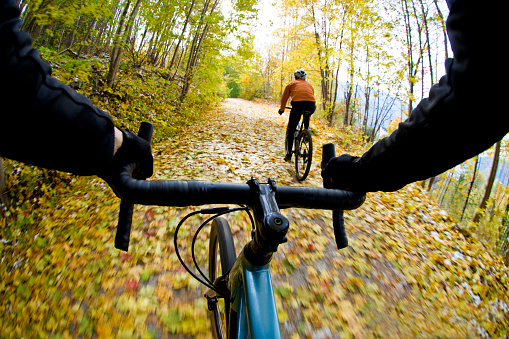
(271, 225)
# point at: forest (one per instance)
(370, 61)
(173, 62)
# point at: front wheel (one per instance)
(221, 259)
(303, 154)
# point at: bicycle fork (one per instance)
(253, 311)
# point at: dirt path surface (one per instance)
(239, 140)
(407, 273)
(364, 291)
(243, 139)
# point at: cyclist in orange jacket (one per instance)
(303, 99)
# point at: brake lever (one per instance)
(338, 222)
(125, 215)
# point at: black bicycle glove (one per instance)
(133, 150)
(281, 111)
(343, 173)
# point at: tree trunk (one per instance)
(348, 99)
(335, 96)
(196, 49)
(319, 49)
(412, 73)
(29, 22)
(470, 188)
(324, 67)
(426, 30)
(353, 106)
(73, 33)
(430, 183)
(283, 54)
(130, 23)
(444, 30)
(117, 49)
(96, 37)
(367, 93)
(188, 74)
(489, 184)
(421, 48)
(122, 41)
(180, 39)
(504, 235)
(446, 187)
(22, 4)
(87, 36)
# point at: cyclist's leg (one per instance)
(309, 106)
(293, 121)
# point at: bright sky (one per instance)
(261, 29)
(267, 19)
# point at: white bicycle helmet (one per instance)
(300, 74)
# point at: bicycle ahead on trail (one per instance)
(240, 295)
(302, 147)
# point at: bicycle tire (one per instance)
(303, 155)
(221, 242)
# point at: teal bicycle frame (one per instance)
(246, 285)
(252, 301)
(253, 312)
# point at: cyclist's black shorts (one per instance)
(295, 114)
(300, 106)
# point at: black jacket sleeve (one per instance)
(464, 115)
(42, 121)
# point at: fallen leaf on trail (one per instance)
(132, 285)
(126, 256)
(348, 314)
(407, 269)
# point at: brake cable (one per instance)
(218, 211)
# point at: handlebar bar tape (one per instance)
(195, 193)
(125, 216)
(125, 219)
(338, 222)
(328, 152)
(145, 131)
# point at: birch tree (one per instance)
(489, 185)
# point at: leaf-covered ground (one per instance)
(408, 271)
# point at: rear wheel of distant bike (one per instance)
(221, 259)
(303, 155)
